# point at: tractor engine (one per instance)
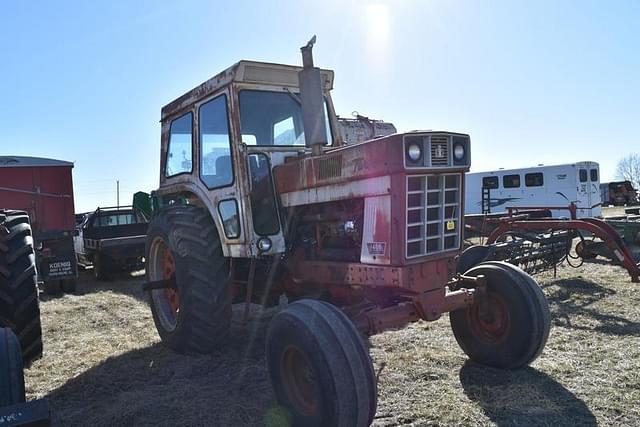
(331, 231)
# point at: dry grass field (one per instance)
(104, 365)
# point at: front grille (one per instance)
(433, 214)
(439, 150)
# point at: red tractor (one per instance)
(261, 202)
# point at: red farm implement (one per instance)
(531, 239)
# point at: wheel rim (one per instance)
(162, 266)
(299, 381)
(169, 272)
(489, 319)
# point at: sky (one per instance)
(532, 82)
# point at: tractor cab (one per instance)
(222, 139)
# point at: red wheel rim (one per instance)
(299, 381)
(169, 272)
(489, 319)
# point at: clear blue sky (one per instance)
(532, 82)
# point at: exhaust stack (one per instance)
(310, 80)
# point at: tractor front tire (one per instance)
(19, 309)
(319, 366)
(183, 244)
(507, 327)
(11, 373)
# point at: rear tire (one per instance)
(102, 267)
(11, 373)
(183, 243)
(69, 285)
(508, 327)
(19, 309)
(319, 367)
(52, 287)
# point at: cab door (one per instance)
(595, 201)
(583, 196)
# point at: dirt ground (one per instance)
(103, 364)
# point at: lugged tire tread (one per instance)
(18, 287)
(11, 370)
(194, 232)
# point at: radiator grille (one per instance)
(439, 150)
(433, 214)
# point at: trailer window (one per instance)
(180, 143)
(511, 181)
(534, 179)
(490, 182)
(594, 175)
(216, 168)
(583, 175)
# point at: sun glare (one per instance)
(378, 25)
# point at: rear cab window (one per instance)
(108, 220)
(594, 175)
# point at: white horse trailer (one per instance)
(558, 185)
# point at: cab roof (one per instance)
(245, 72)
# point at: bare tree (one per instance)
(629, 169)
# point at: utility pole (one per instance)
(118, 193)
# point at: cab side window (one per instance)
(216, 167)
(180, 142)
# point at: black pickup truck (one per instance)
(112, 240)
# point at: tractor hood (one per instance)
(378, 157)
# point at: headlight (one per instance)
(414, 152)
(458, 152)
(264, 244)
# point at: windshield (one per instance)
(273, 118)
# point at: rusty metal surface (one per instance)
(330, 193)
(375, 158)
(361, 129)
(428, 305)
(376, 237)
(414, 278)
